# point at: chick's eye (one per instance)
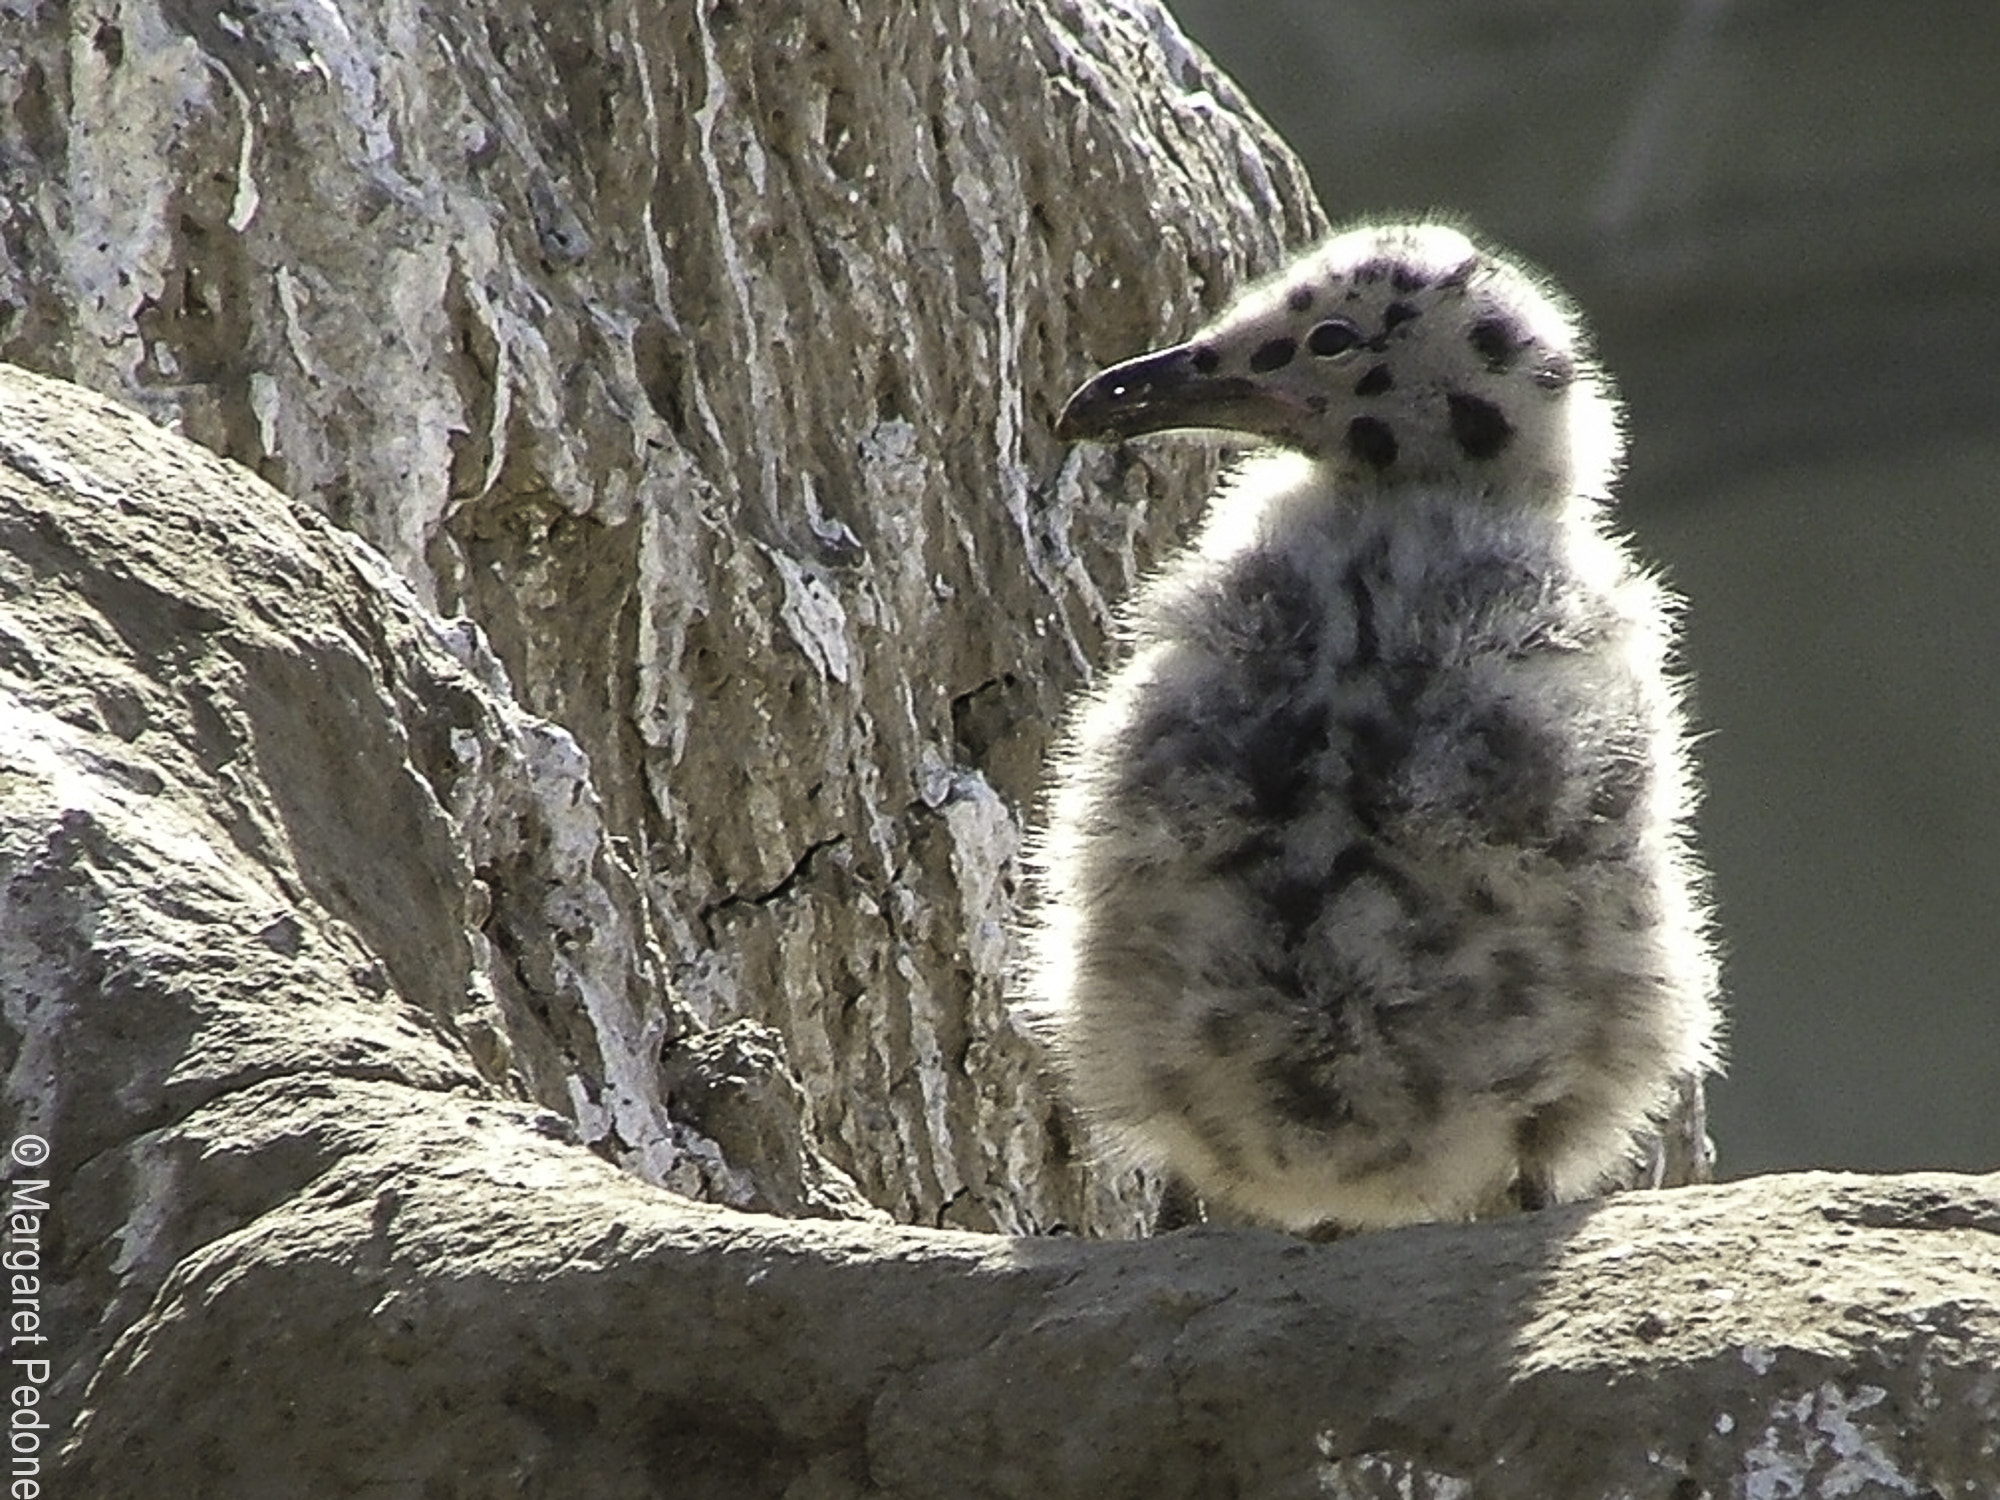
(1334, 336)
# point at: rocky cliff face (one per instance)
(704, 357)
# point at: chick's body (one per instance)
(1367, 895)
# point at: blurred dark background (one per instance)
(1783, 220)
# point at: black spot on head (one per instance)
(1371, 271)
(1496, 340)
(1555, 372)
(1273, 354)
(1375, 382)
(1407, 278)
(1204, 358)
(1396, 314)
(1316, 405)
(1372, 441)
(1299, 298)
(1334, 336)
(1480, 428)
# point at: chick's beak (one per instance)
(1158, 392)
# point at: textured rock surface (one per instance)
(268, 828)
(704, 355)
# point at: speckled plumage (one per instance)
(1367, 896)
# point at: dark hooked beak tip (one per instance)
(1167, 389)
(1147, 394)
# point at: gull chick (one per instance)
(1367, 892)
